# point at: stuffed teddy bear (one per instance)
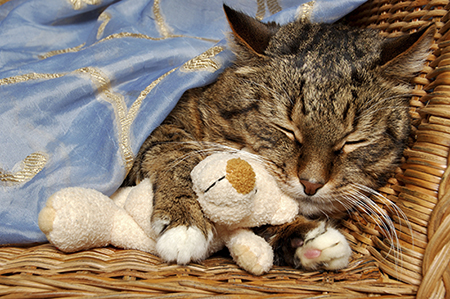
(234, 190)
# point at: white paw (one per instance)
(324, 247)
(183, 244)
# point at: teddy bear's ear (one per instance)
(241, 176)
(248, 32)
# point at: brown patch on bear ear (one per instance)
(241, 176)
(404, 56)
(249, 32)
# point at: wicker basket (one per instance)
(421, 189)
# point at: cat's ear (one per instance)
(249, 32)
(404, 56)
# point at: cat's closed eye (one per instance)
(349, 145)
(291, 133)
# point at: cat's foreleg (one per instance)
(168, 157)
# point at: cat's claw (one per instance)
(183, 244)
(325, 248)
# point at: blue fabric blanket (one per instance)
(84, 82)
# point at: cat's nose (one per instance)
(310, 188)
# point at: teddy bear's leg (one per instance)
(139, 205)
(127, 234)
(75, 219)
(249, 251)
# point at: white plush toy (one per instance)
(235, 191)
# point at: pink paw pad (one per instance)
(312, 253)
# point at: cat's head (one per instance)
(325, 105)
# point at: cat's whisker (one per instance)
(391, 206)
(250, 99)
(389, 230)
(378, 215)
(202, 151)
(369, 210)
(348, 207)
(386, 230)
(209, 148)
(287, 96)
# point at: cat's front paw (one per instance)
(183, 244)
(324, 248)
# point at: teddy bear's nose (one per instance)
(310, 188)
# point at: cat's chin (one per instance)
(309, 208)
(325, 206)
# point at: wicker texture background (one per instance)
(421, 189)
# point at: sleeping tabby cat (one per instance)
(324, 107)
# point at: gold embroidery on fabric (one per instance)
(272, 5)
(143, 36)
(124, 118)
(104, 18)
(129, 34)
(306, 11)
(26, 77)
(162, 27)
(203, 61)
(57, 52)
(261, 11)
(134, 109)
(30, 166)
(103, 85)
(122, 35)
(79, 4)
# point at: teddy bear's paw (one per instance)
(250, 252)
(323, 248)
(255, 259)
(183, 244)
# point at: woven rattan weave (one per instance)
(421, 189)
